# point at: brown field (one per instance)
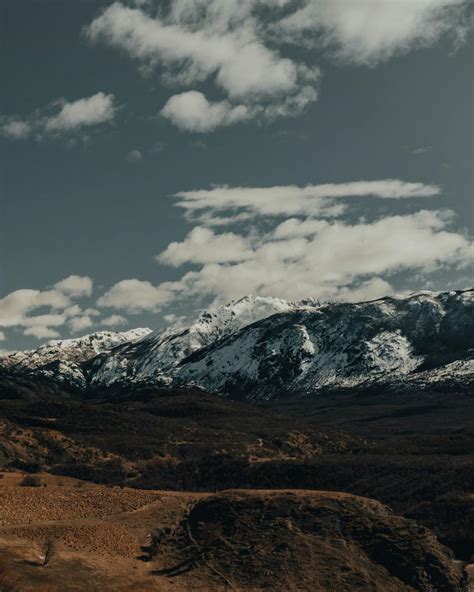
(111, 538)
(98, 531)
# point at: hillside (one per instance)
(111, 539)
(420, 464)
(264, 348)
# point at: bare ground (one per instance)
(117, 539)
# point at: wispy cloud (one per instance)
(61, 118)
(371, 31)
(290, 200)
(300, 243)
(223, 42)
(242, 49)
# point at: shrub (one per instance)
(30, 481)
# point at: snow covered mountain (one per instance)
(422, 340)
(155, 358)
(263, 348)
(63, 360)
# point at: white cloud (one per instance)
(203, 246)
(71, 117)
(293, 227)
(15, 307)
(80, 323)
(53, 307)
(191, 111)
(134, 156)
(75, 285)
(243, 50)
(371, 31)
(98, 108)
(368, 290)
(41, 332)
(136, 296)
(114, 320)
(335, 260)
(16, 129)
(72, 311)
(293, 200)
(215, 40)
(242, 65)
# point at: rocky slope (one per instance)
(63, 360)
(421, 340)
(264, 348)
(123, 540)
(301, 540)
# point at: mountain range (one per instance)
(261, 348)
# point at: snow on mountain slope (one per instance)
(340, 345)
(63, 359)
(154, 358)
(259, 347)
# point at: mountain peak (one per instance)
(262, 347)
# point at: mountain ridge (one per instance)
(262, 348)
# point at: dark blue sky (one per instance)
(96, 200)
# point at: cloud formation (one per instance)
(291, 200)
(242, 48)
(18, 308)
(191, 111)
(302, 241)
(327, 260)
(114, 320)
(203, 246)
(75, 285)
(134, 296)
(371, 31)
(224, 42)
(61, 117)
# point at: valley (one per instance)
(151, 482)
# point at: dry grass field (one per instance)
(109, 538)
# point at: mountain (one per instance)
(423, 339)
(155, 358)
(63, 360)
(265, 348)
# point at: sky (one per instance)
(162, 156)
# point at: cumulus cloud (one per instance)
(16, 129)
(80, 323)
(191, 111)
(319, 249)
(134, 156)
(332, 260)
(372, 31)
(242, 65)
(292, 200)
(16, 306)
(42, 332)
(243, 49)
(203, 246)
(114, 320)
(224, 42)
(61, 117)
(75, 285)
(41, 312)
(135, 296)
(93, 110)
